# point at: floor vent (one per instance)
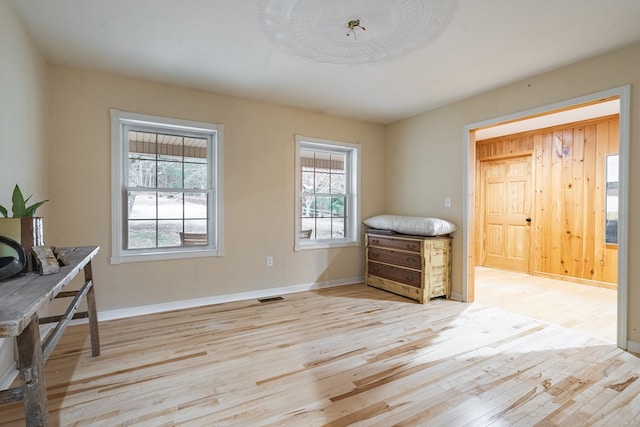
(272, 299)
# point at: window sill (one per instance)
(324, 245)
(162, 256)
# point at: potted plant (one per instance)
(22, 226)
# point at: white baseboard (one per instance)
(199, 302)
(8, 375)
(455, 296)
(633, 346)
(9, 368)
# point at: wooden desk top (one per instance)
(24, 296)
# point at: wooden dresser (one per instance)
(412, 266)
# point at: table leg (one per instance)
(91, 309)
(31, 367)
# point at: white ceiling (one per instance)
(218, 45)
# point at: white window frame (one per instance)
(119, 155)
(352, 208)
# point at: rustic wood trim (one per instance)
(568, 196)
(506, 156)
(470, 238)
(546, 113)
(579, 280)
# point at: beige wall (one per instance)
(22, 123)
(258, 188)
(425, 158)
(22, 111)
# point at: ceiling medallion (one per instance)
(353, 32)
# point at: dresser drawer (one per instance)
(392, 257)
(402, 275)
(402, 244)
(412, 266)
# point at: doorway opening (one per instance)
(527, 236)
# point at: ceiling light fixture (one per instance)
(376, 30)
(353, 25)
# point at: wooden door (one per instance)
(506, 208)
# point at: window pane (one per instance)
(143, 156)
(195, 226)
(170, 205)
(338, 183)
(142, 143)
(309, 224)
(306, 158)
(612, 192)
(142, 173)
(308, 182)
(169, 233)
(170, 146)
(306, 205)
(170, 174)
(195, 233)
(337, 206)
(323, 228)
(142, 205)
(141, 234)
(322, 182)
(195, 175)
(323, 207)
(195, 150)
(197, 160)
(195, 205)
(337, 228)
(338, 162)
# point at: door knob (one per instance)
(528, 219)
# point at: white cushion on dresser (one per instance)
(415, 225)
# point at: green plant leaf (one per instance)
(18, 203)
(31, 210)
(3, 211)
(19, 208)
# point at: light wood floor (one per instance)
(351, 355)
(588, 309)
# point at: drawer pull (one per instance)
(411, 245)
(409, 278)
(375, 241)
(409, 259)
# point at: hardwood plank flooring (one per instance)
(350, 355)
(584, 308)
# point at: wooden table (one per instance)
(21, 299)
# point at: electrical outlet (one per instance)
(269, 261)
(447, 202)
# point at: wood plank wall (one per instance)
(568, 164)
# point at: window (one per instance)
(611, 203)
(166, 188)
(327, 189)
